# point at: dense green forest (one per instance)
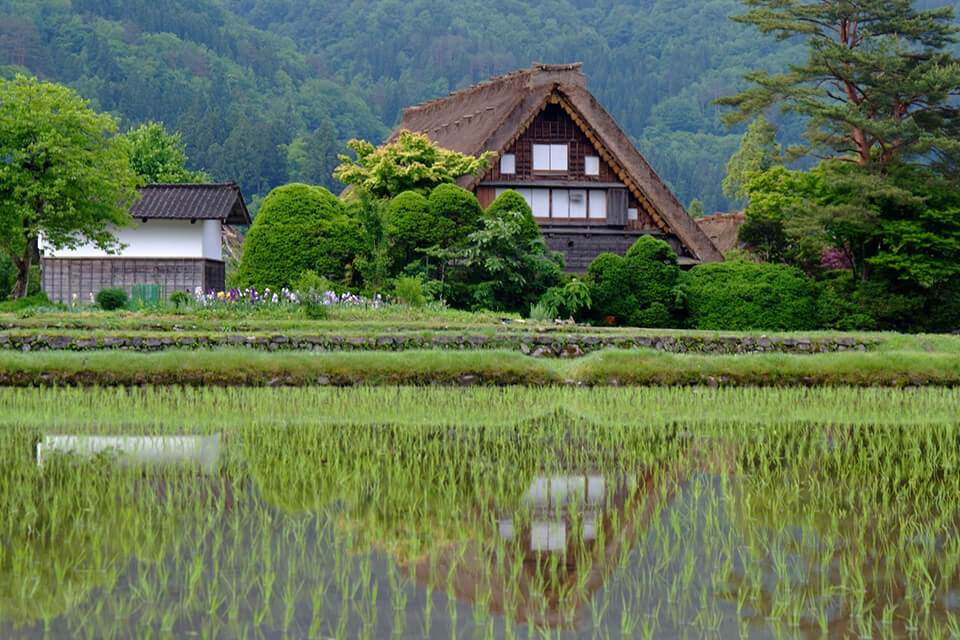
(267, 91)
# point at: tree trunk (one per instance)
(31, 254)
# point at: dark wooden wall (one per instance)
(62, 277)
(580, 246)
(553, 125)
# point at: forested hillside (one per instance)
(267, 91)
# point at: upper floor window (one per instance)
(508, 163)
(591, 165)
(549, 157)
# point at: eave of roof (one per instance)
(188, 201)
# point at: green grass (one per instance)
(238, 366)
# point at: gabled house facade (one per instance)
(589, 188)
(173, 243)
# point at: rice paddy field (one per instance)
(481, 512)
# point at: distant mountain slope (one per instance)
(266, 91)
(246, 101)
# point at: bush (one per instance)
(837, 307)
(509, 266)
(412, 226)
(409, 290)
(8, 275)
(457, 210)
(510, 200)
(739, 295)
(36, 300)
(639, 289)
(569, 299)
(111, 298)
(298, 227)
(180, 299)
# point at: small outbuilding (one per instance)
(173, 244)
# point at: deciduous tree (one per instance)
(63, 173)
(159, 156)
(411, 163)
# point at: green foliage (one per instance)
(569, 299)
(877, 84)
(159, 157)
(757, 153)
(411, 225)
(506, 262)
(299, 227)
(409, 290)
(542, 312)
(64, 173)
(456, 211)
(180, 299)
(695, 209)
(410, 163)
(8, 275)
(110, 299)
(311, 158)
(511, 201)
(739, 294)
(638, 289)
(373, 261)
(38, 299)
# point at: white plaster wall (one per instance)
(153, 239)
(211, 240)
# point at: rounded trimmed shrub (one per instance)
(740, 294)
(411, 225)
(111, 299)
(298, 227)
(457, 209)
(639, 289)
(510, 200)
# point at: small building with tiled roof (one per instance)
(173, 244)
(590, 189)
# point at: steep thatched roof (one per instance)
(222, 202)
(491, 115)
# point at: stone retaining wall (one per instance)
(565, 345)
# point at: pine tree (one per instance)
(877, 85)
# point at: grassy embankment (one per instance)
(896, 360)
(232, 366)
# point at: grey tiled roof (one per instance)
(192, 202)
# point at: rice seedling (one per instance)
(656, 512)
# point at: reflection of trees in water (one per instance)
(851, 530)
(840, 527)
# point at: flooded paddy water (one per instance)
(479, 513)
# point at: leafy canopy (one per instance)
(160, 157)
(63, 173)
(411, 163)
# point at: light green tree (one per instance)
(159, 156)
(411, 163)
(64, 173)
(758, 152)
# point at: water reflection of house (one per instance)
(572, 532)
